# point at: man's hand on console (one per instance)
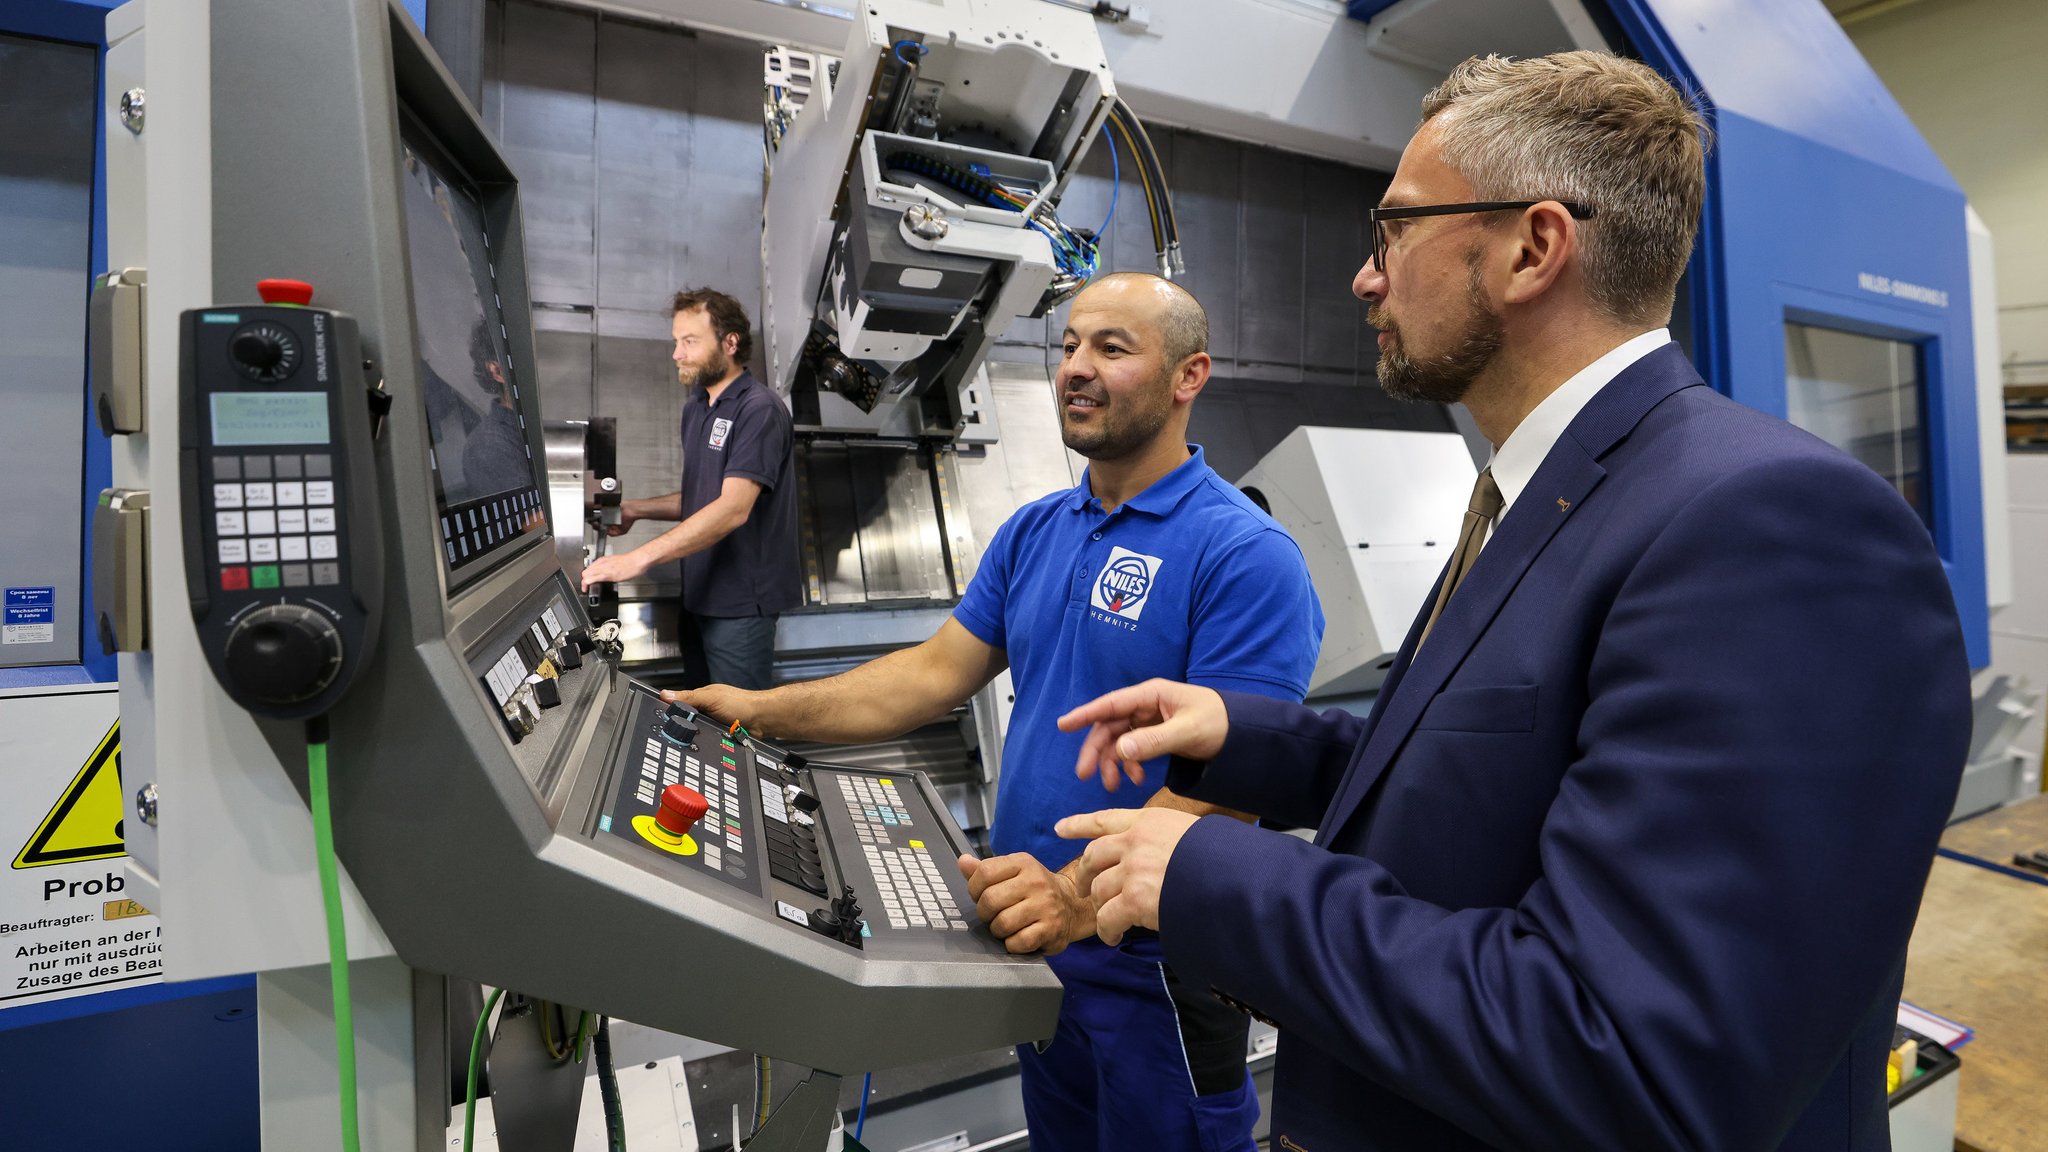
(615, 569)
(1029, 907)
(722, 701)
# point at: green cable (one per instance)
(476, 1048)
(337, 932)
(582, 1035)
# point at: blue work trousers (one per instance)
(1138, 1062)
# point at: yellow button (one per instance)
(888, 781)
(917, 843)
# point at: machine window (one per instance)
(1864, 395)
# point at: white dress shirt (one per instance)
(1515, 462)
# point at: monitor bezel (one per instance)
(434, 118)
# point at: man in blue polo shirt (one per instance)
(737, 539)
(1152, 566)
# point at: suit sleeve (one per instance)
(1778, 707)
(1267, 735)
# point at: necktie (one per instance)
(1479, 514)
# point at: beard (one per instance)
(1118, 430)
(715, 367)
(1443, 378)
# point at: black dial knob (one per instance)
(258, 350)
(282, 654)
(264, 351)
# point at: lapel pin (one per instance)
(1563, 505)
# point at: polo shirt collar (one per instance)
(741, 383)
(1164, 493)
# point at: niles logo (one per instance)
(719, 428)
(1125, 583)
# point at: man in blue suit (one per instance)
(1628, 853)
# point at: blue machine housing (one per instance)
(1825, 206)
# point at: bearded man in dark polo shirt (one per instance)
(737, 505)
(1151, 562)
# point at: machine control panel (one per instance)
(522, 670)
(283, 559)
(866, 858)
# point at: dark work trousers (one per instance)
(735, 650)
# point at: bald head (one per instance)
(1183, 324)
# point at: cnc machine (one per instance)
(352, 572)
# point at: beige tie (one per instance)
(1486, 504)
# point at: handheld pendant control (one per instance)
(283, 540)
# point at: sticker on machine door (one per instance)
(31, 616)
(68, 923)
(1125, 583)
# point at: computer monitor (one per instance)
(488, 486)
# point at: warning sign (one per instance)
(85, 822)
(67, 923)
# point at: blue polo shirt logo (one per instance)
(1124, 583)
(720, 428)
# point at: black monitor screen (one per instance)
(485, 481)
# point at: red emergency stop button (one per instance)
(285, 292)
(681, 807)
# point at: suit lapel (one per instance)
(1562, 483)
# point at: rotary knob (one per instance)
(264, 351)
(282, 654)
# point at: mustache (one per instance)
(1376, 315)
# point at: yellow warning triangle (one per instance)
(85, 823)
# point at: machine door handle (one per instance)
(120, 365)
(120, 569)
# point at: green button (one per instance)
(263, 576)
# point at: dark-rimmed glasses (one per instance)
(1377, 217)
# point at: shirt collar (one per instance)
(740, 383)
(1158, 498)
(1515, 462)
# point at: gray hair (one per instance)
(1593, 128)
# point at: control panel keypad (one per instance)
(914, 893)
(261, 518)
(854, 855)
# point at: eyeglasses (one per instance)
(1378, 217)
